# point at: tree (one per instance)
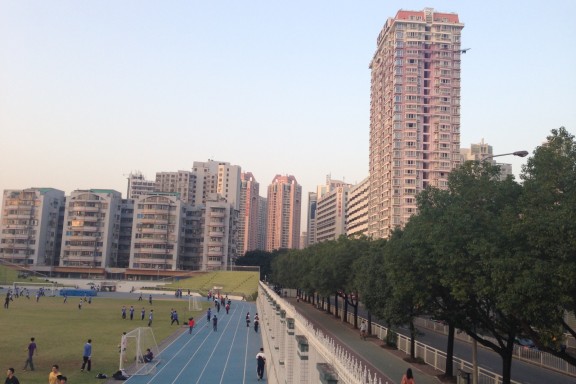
(548, 205)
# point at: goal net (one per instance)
(23, 287)
(194, 303)
(133, 350)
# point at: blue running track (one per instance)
(208, 357)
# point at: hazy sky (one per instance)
(92, 90)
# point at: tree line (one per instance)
(493, 258)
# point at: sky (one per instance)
(93, 90)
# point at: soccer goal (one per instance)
(133, 349)
(194, 303)
(49, 288)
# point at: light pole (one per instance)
(517, 153)
(474, 342)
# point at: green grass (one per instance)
(61, 331)
(232, 282)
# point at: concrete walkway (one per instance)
(387, 363)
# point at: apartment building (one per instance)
(217, 177)
(357, 209)
(138, 185)
(331, 212)
(283, 217)
(248, 214)
(484, 152)
(414, 113)
(181, 182)
(91, 229)
(30, 228)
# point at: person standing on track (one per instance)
(191, 324)
(209, 314)
(215, 323)
(248, 319)
(260, 362)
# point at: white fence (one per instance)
(301, 354)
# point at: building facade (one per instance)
(30, 229)
(262, 223)
(91, 229)
(248, 214)
(331, 214)
(483, 152)
(311, 219)
(182, 182)
(156, 232)
(283, 218)
(414, 113)
(217, 177)
(138, 185)
(357, 209)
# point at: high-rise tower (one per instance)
(414, 113)
(284, 207)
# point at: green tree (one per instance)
(547, 220)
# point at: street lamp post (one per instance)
(474, 342)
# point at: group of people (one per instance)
(256, 321)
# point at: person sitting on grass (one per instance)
(148, 356)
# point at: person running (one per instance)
(87, 356)
(209, 314)
(227, 308)
(256, 324)
(53, 375)
(142, 314)
(248, 319)
(123, 312)
(31, 349)
(215, 323)
(260, 362)
(10, 378)
(191, 324)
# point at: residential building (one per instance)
(91, 229)
(181, 182)
(283, 218)
(262, 223)
(138, 185)
(217, 177)
(311, 222)
(157, 229)
(483, 152)
(125, 237)
(414, 113)
(357, 209)
(248, 214)
(30, 226)
(331, 213)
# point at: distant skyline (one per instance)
(91, 91)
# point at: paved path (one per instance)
(387, 363)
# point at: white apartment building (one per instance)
(414, 113)
(284, 207)
(138, 185)
(331, 213)
(29, 227)
(357, 209)
(91, 229)
(156, 232)
(217, 177)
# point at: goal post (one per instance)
(133, 348)
(48, 287)
(194, 303)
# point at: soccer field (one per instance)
(61, 330)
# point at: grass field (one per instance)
(62, 329)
